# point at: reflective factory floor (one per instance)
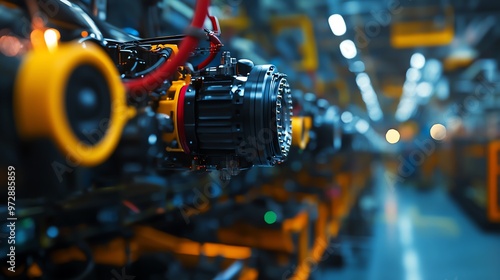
(418, 235)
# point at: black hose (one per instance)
(163, 59)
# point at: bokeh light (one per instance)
(270, 217)
(438, 132)
(392, 136)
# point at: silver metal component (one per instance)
(283, 116)
(227, 65)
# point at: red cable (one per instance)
(131, 206)
(156, 78)
(215, 46)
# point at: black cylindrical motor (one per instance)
(239, 110)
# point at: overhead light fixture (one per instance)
(433, 70)
(409, 88)
(424, 89)
(443, 89)
(337, 24)
(362, 126)
(413, 75)
(417, 61)
(363, 81)
(369, 96)
(347, 117)
(400, 116)
(406, 108)
(376, 114)
(357, 67)
(348, 49)
(417, 87)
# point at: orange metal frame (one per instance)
(148, 240)
(408, 34)
(493, 174)
(309, 60)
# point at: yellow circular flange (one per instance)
(300, 131)
(39, 100)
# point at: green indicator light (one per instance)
(270, 217)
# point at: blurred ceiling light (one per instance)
(438, 132)
(409, 88)
(346, 117)
(424, 89)
(357, 67)
(363, 80)
(405, 105)
(433, 70)
(362, 126)
(392, 136)
(337, 24)
(369, 96)
(417, 60)
(413, 75)
(443, 89)
(462, 53)
(400, 116)
(348, 49)
(405, 109)
(376, 115)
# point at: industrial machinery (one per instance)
(97, 126)
(292, 214)
(130, 157)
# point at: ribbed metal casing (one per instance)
(218, 108)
